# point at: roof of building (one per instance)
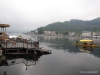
(4, 25)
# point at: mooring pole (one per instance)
(4, 73)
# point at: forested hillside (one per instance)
(73, 25)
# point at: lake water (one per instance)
(66, 59)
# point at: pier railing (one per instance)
(22, 46)
(19, 43)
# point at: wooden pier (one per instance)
(23, 48)
(18, 45)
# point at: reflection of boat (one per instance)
(85, 43)
(85, 50)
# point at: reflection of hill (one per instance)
(65, 44)
(28, 60)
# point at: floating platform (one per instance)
(22, 48)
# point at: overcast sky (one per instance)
(27, 15)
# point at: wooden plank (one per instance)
(16, 53)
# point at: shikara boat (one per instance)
(85, 43)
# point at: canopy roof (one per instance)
(86, 40)
(4, 25)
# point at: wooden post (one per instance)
(4, 73)
(1, 29)
(31, 43)
(5, 29)
(27, 47)
(23, 43)
(0, 51)
(27, 44)
(6, 44)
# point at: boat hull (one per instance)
(85, 45)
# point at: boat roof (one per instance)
(86, 40)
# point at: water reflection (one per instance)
(66, 44)
(27, 60)
(65, 59)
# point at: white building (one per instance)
(86, 34)
(72, 33)
(96, 34)
(47, 32)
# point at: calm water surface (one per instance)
(65, 59)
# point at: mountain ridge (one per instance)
(75, 25)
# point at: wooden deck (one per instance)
(22, 48)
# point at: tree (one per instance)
(64, 32)
(41, 30)
(56, 32)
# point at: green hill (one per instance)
(73, 25)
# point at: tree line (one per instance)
(74, 25)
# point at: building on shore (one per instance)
(72, 33)
(96, 34)
(86, 34)
(47, 32)
(50, 32)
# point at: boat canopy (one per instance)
(86, 40)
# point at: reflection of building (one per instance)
(86, 34)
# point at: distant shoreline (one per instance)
(63, 36)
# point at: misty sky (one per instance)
(27, 15)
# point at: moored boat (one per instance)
(85, 43)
